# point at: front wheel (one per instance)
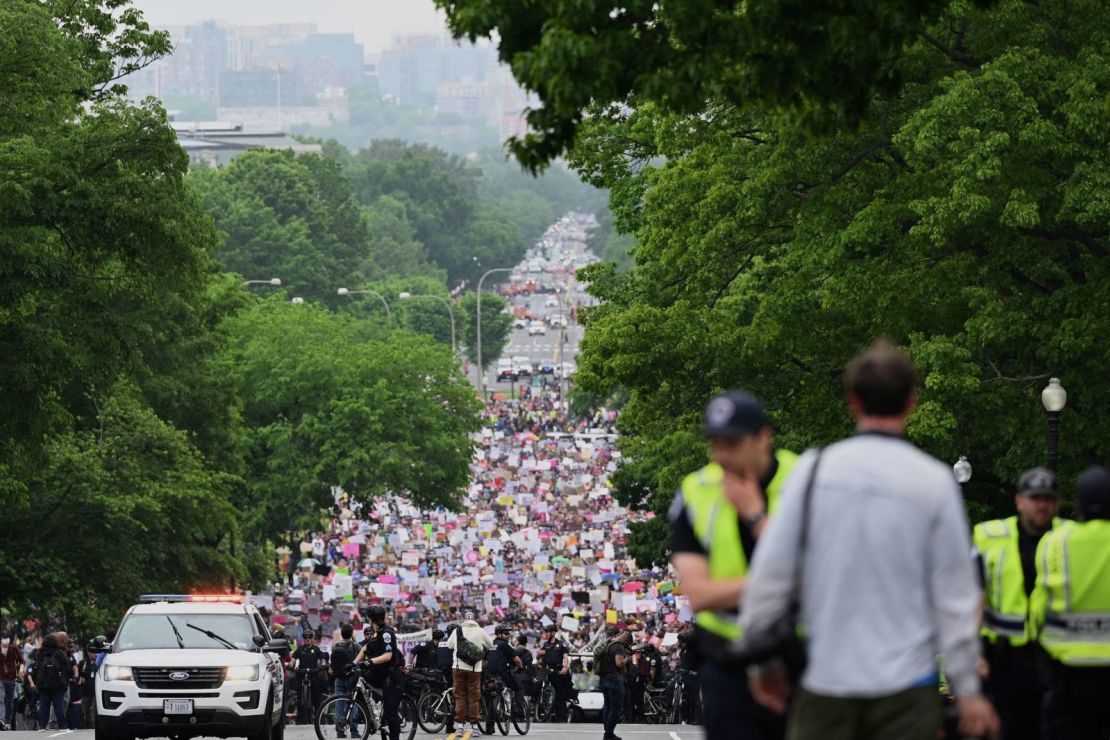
(522, 717)
(407, 710)
(433, 711)
(545, 706)
(340, 716)
(503, 708)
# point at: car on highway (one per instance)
(537, 328)
(505, 370)
(557, 321)
(568, 370)
(547, 367)
(186, 666)
(520, 323)
(551, 302)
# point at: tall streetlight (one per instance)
(481, 375)
(1054, 398)
(376, 294)
(276, 282)
(450, 312)
(562, 338)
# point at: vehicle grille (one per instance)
(209, 677)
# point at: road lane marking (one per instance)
(674, 735)
(63, 732)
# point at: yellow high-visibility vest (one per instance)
(1070, 605)
(715, 524)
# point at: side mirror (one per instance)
(258, 640)
(100, 644)
(277, 645)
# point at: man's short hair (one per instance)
(882, 378)
(346, 631)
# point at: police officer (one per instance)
(310, 659)
(1007, 549)
(1070, 612)
(501, 661)
(426, 654)
(688, 663)
(716, 519)
(384, 654)
(554, 655)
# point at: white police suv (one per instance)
(182, 666)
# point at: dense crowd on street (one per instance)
(539, 541)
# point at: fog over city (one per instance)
(373, 22)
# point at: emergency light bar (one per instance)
(195, 598)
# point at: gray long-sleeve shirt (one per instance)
(888, 584)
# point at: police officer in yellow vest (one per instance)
(1070, 614)
(1007, 548)
(716, 519)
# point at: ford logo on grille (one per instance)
(179, 676)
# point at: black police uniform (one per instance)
(553, 658)
(425, 655)
(311, 659)
(389, 677)
(499, 664)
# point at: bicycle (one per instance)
(545, 701)
(302, 700)
(360, 713)
(655, 707)
(433, 710)
(500, 707)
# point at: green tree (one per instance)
(126, 507)
(497, 324)
(327, 400)
(964, 219)
(820, 63)
(291, 217)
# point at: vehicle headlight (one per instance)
(241, 673)
(117, 673)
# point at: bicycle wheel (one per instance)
(408, 718)
(487, 712)
(433, 711)
(340, 716)
(522, 717)
(546, 705)
(504, 710)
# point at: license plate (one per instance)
(177, 706)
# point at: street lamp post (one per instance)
(482, 375)
(1054, 398)
(276, 282)
(376, 294)
(450, 312)
(562, 337)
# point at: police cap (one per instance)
(1092, 493)
(1037, 482)
(734, 414)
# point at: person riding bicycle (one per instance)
(308, 659)
(386, 668)
(502, 659)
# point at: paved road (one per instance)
(539, 732)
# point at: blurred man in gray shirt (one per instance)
(888, 587)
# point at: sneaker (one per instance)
(475, 730)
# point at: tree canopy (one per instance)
(817, 62)
(964, 219)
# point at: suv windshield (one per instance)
(154, 631)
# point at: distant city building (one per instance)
(414, 68)
(215, 143)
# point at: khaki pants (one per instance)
(913, 714)
(468, 689)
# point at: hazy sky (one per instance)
(374, 22)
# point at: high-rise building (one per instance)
(413, 69)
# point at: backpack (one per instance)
(601, 654)
(342, 656)
(52, 672)
(468, 652)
